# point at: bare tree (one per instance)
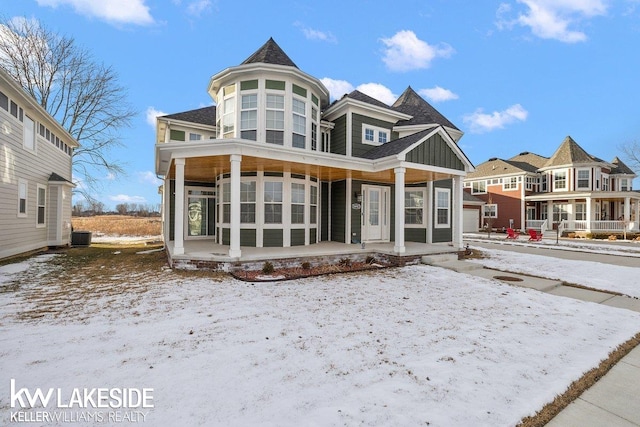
(81, 93)
(631, 151)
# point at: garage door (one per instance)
(471, 219)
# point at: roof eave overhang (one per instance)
(343, 104)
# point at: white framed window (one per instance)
(229, 112)
(560, 212)
(543, 183)
(314, 128)
(226, 202)
(490, 211)
(249, 117)
(23, 193)
(581, 212)
(560, 181)
(624, 184)
(29, 133)
(275, 119)
(479, 187)
(584, 179)
(373, 135)
(510, 183)
(247, 202)
(297, 203)
(313, 204)
(326, 142)
(532, 183)
(273, 202)
(194, 136)
(299, 109)
(443, 208)
(42, 206)
(605, 183)
(414, 207)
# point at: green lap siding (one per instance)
(338, 220)
(297, 237)
(339, 136)
(418, 235)
(324, 209)
(358, 148)
(248, 238)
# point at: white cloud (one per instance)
(552, 19)
(115, 11)
(149, 178)
(196, 8)
(312, 34)
(405, 51)
(480, 122)
(438, 94)
(151, 115)
(337, 88)
(379, 92)
(124, 198)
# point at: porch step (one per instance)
(439, 258)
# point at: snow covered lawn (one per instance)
(607, 277)
(412, 346)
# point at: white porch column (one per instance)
(399, 230)
(428, 203)
(627, 209)
(589, 213)
(166, 207)
(178, 226)
(234, 237)
(458, 214)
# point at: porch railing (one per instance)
(537, 224)
(607, 226)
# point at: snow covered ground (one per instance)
(412, 346)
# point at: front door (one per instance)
(375, 213)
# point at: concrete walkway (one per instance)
(612, 401)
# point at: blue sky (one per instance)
(514, 75)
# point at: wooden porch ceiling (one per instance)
(205, 169)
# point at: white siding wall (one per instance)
(20, 234)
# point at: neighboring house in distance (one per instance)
(572, 186)
(35, 174)
(273, 164)
(473, 212)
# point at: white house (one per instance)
(35, 174)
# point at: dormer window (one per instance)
(372, 135)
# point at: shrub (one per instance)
(306, 265)
(267, 268)
(345, 262)
(369, 259)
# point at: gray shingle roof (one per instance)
(528, 161)
(620, 168)
(204, 116)
(468, 197)
(396, 146)
(270, 53)
(495, 167)
(423, 113)
(569, 153)
(54, 177)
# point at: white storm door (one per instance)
(375, 213)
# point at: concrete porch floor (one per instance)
(209, 251)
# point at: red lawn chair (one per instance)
(534, 235)
(512, 234)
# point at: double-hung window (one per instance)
(42, 206)
(229, 112)
(248, 202)
(314, 128)
(478, 187)
(490, 211)
(510, 183)
(249, 117)
(560, 181)
(313, 204)
(275, 119)
(584, 181)
(414, 207)
(299, 123)
(22, 198)
(272, 202)
(226, 202)
(297, 203)
(443, 208)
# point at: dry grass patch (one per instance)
(118, 225)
